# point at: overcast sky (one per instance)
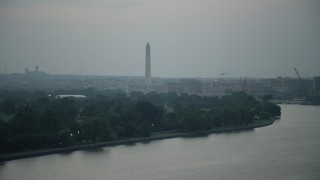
(188, 38)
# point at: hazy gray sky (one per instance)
(188, 38)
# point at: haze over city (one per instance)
(192, 38)
(159, 89)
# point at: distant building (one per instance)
(316, 84)
(172, 87)
(190, 86)
(35, 72)
(148, 65)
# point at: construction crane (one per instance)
(223, 73)
(301, 81)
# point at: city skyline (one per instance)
(202, 39)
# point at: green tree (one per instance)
(95, 129)
(130, 130)
(271, 108)
(8, 107)
(92, 110)
(145, 129)
(49, 120)
(23, 121)
(4, 134)
(265, 115)
(148, 110)
(65, 137)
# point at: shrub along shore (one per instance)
(157, 136)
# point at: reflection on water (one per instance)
(67, 153)
(202, 135)
(130, 144)
(94, 150)
(288, 149)
(251, 130)
(146, 142)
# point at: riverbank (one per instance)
(7, 157)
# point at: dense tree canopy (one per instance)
(34, 120)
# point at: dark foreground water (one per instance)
(288, 149)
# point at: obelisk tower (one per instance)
(148, 65)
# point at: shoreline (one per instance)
(14, 156)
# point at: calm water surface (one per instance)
(288, 149)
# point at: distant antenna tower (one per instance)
(86, 70)
(5, 67)
(81, 70)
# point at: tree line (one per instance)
(35, 120)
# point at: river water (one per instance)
(287, 149)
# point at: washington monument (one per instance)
(148, 65)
